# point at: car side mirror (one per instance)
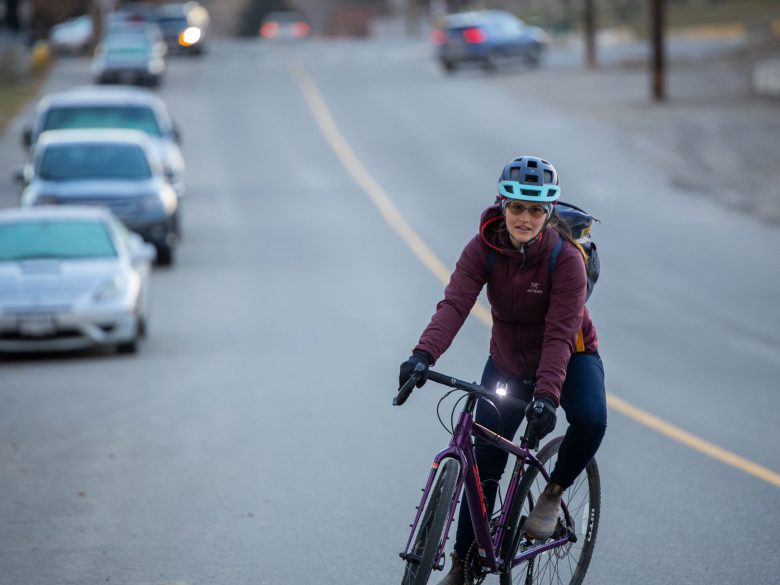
(22, 176)
(27, 137)
(18, 177)
(140, 251)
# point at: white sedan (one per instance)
(71, 278)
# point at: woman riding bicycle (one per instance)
(543, 345)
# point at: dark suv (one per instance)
(115, 169)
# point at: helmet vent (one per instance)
(531, 179)
(531, 164)
(548, 176)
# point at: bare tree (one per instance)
(12, 15)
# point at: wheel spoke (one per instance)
(566, 564)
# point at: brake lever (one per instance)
(406, 390)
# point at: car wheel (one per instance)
(128, 347)
(534, 56)
(164, 255)
(490, 62)
(176, 225)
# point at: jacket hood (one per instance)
(492, 230)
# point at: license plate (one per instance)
(37, 326)
(457, 48)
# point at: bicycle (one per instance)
(501, 546)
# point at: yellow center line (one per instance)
(362, 177)
(412, 239)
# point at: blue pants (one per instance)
(584, 401)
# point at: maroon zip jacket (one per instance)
(538, 321)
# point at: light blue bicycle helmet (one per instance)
(529, 178)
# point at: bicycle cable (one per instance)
(451, 428)
(438, 411)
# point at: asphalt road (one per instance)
(252, 440)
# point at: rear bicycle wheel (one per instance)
(422, 554)
(566, 564)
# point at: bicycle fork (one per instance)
(451, 453)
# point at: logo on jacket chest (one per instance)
(534, 288)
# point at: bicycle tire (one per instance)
(569, 563)
(431, 527)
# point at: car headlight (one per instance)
(169, 199)
(189, 36)
(110, 289)
(155, 66)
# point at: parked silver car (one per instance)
(72, 36)
(71, 278)
(128, 58)
(116, 169)
(113, 107)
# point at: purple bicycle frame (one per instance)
(461, 449)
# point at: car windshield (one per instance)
(121, 50)
(173, 24)
(128, 117)
(76, 162)
(58, 239)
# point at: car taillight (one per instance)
(300, 30)
(474, 36)
(269, 30)
(438, 37)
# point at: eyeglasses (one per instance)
(516, 208)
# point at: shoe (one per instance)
(456, 576)
(543, 518)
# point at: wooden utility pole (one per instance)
(590, 34)
(658, 72)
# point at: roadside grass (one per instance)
(755, 15)
(750, 13)
(15, 93)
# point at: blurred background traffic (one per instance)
(229, 186)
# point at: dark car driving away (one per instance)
(487, 38)
(284, 26)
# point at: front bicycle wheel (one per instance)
(565, 564)
(422, 555)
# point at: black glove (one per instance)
(542, 424)
(417, 357)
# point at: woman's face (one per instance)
(524, 221)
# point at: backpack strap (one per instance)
(491, 259)
(554, 256)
